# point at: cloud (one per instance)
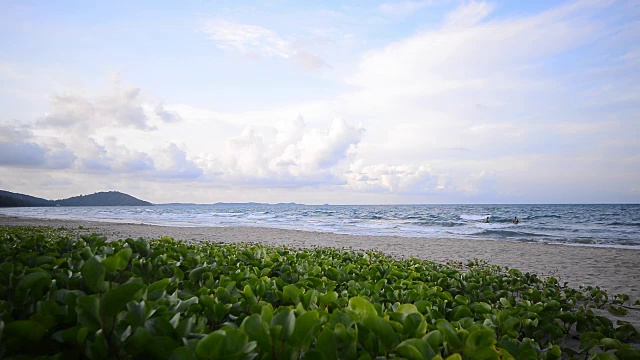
(259, 42)
(20, 148)
(399, 179)
(288, 154)
(120, 108)
(113, 156)
(467, 55)
(31, 155)
(15, 132)
(402, 8)
(166, 115)
(251, 40)
(172, 162)
(468, 14)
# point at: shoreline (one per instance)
(613, 269)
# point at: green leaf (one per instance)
(257, 330)
(34, 280)
(182, 353)
(93, 274)
(383, 330)
(449, 334)
(304, 330)
(609, 344)
(211, 346)
(409, 351)
(327, 345)
(28, 330)
(481, 343)
(88, 309)
(460, 311)
(328, 298)
(114, 300)
(409, 347)
(136, 343)
(292, 293)
(73, 335)
(362, 308)
(196, 273)
(161, 347)
(627, 354)
(414, 325)
(434, 338)
(286, 321)
(117, 262)
(235, 341)
(139, 312)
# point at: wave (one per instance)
(534, 217)
(225, 214)
(494, 225)
(511, 233)
(623, 223)
(581, 225)
(474, 217)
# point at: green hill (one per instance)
(110, 198)
(10, 199)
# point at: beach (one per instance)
(615, 270)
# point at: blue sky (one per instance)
(325, 102)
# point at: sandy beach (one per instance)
(616, 270)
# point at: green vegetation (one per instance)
(106, 198)
(10, 199)
(67, 297)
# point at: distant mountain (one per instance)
(10, 199)
(110, 198)
(229, 204)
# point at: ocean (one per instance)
(584, 225)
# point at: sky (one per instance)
(340, 102)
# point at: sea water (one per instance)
(587, 225)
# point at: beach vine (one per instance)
(68, 296)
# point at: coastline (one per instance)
(613, 269)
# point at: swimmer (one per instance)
(515, 220)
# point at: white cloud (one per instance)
(20, 148)
(401, 8)
(120, 108)
(251, 40)
(481, 108)
(292, 155)
(113, 156)
(468, 14)
(166, 115)
(259, 42)
(173, 162)
(389, 178)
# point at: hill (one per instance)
(110, 198)
(10, 199)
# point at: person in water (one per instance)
(487, 220)
(515, 220)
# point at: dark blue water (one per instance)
(590, 225)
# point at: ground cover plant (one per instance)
(66, 296)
